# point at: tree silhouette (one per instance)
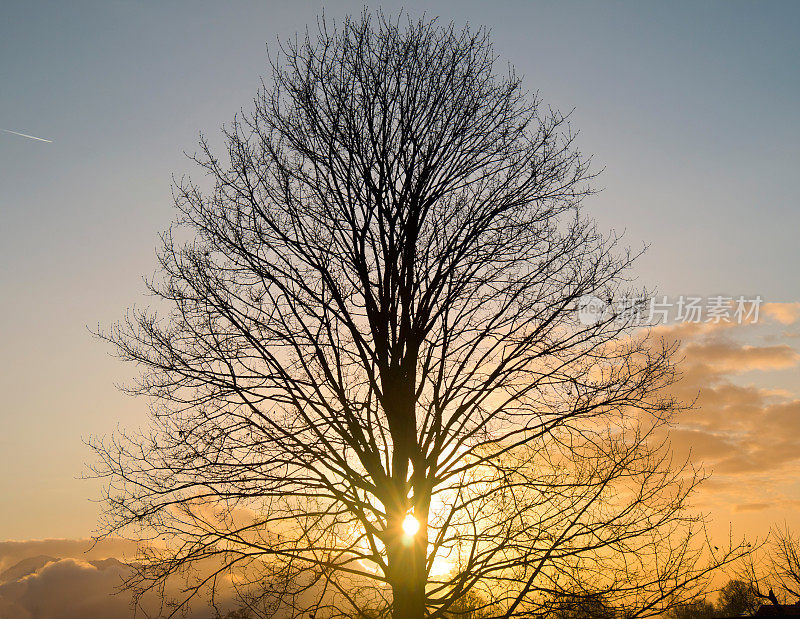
(737, 598)
(697, 609)
(568, 606)
(772, 568)
(371, 324)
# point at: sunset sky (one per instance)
(692, 111)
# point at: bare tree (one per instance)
(785, 561)
(772, 568)
(371, 389)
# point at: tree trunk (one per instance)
(406, 554)
(407, 569)
(409, 601)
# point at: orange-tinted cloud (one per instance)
(784, 313)
(752, 507)
(746, 434)
(726, 357)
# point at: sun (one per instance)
(410, 526)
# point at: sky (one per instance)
(692, 111)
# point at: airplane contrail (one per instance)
(25, 135)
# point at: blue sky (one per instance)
(691, 109)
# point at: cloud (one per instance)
(68, 588)
(726, 357)
(42, 581)
(701, 444)
(745, 427)
(747, 433)
(14, 551)
(752, 507)
(784, 313)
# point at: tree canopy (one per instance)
(371, 324)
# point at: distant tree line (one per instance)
(737, 598)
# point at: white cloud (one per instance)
(67, 579)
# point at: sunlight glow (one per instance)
(410, 526)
